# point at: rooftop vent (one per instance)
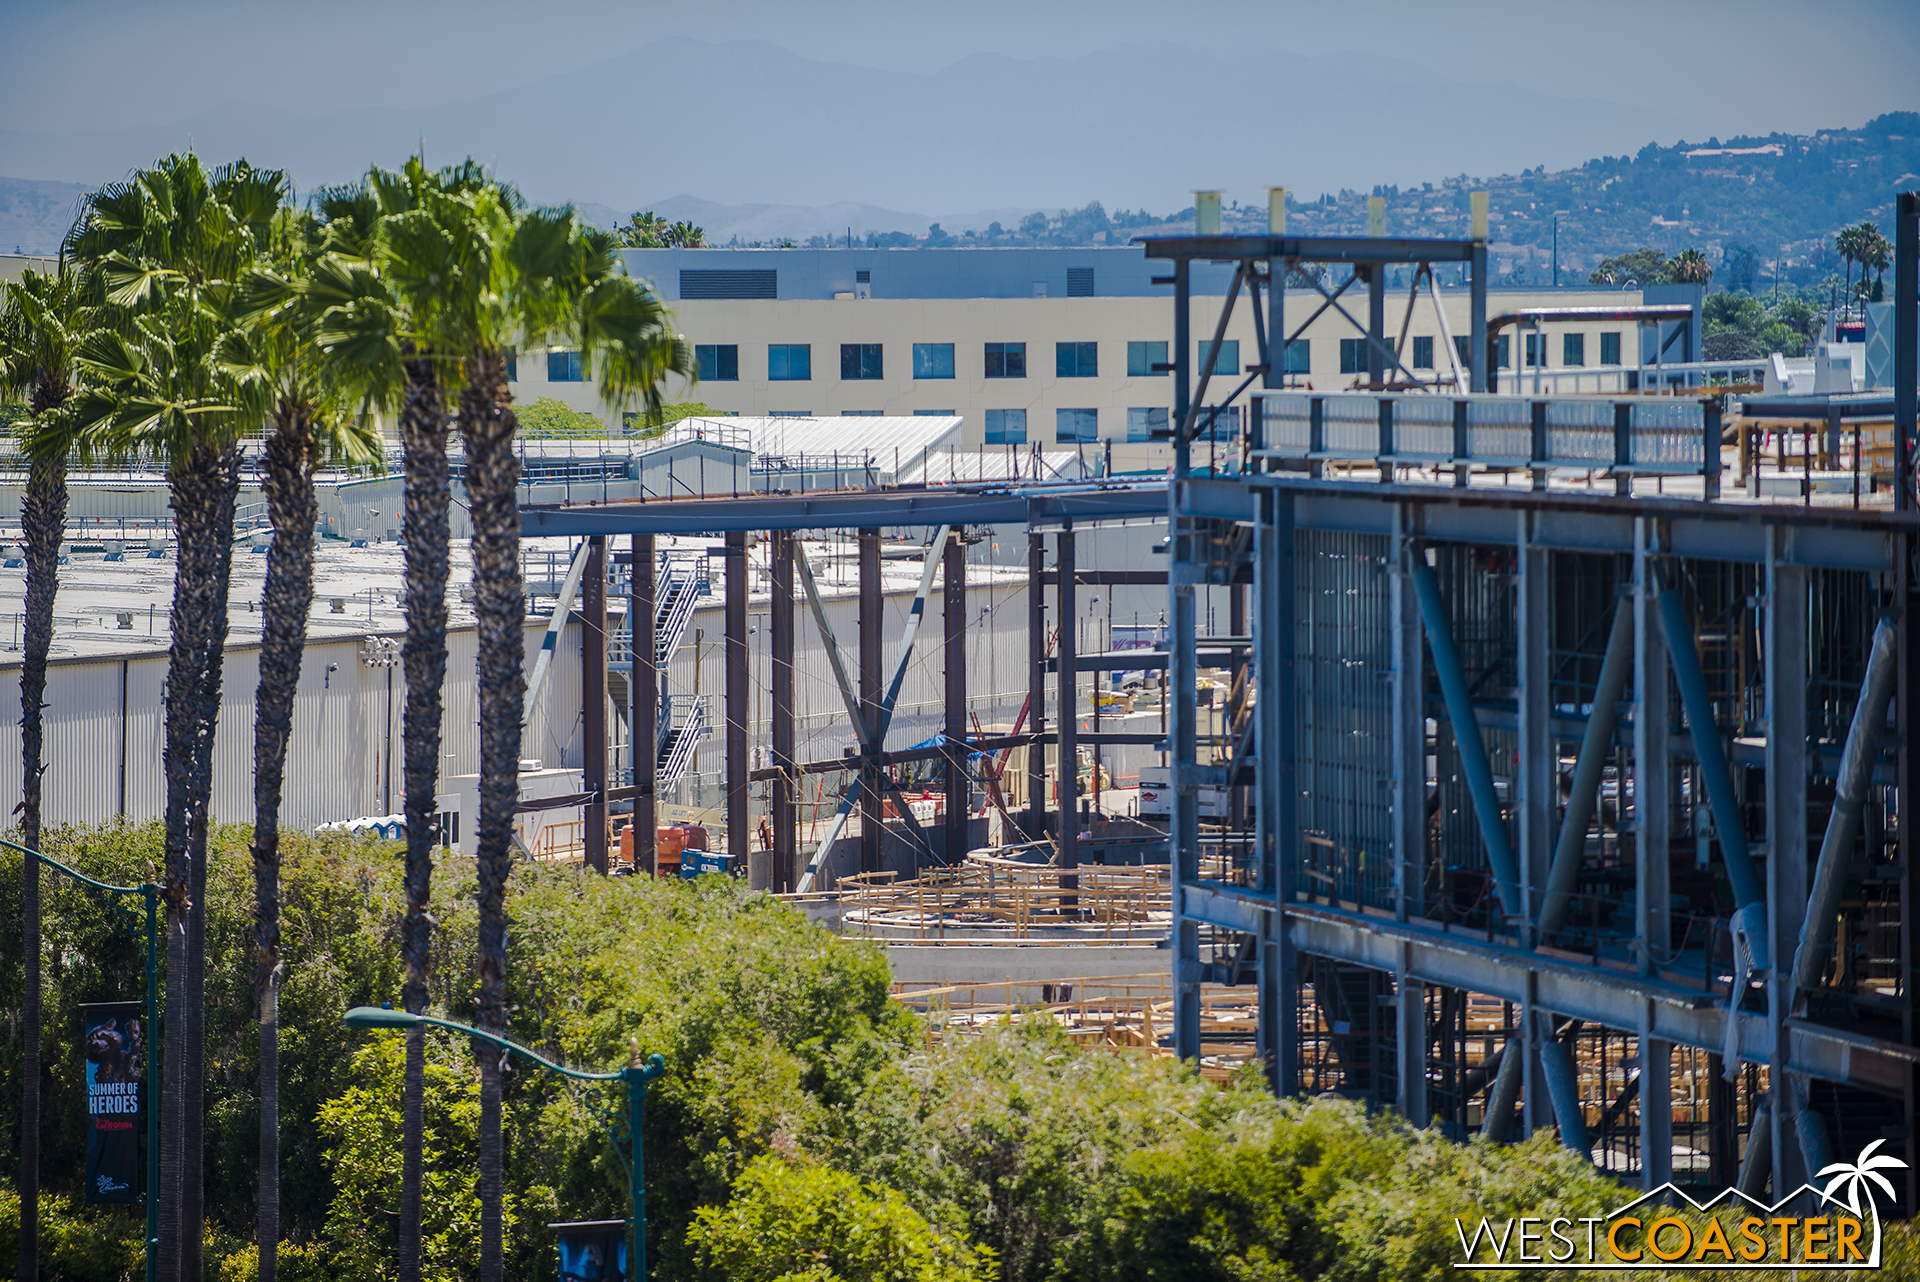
(1079, 282)
(729, 284)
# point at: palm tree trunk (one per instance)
(287, 599)
(492, 476)
(43, 519)
(204, 486)
(423, 434)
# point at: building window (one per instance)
(933, 360)
(513, 369)
(1006, 360)
(1217, 423)
(789, 362)
(1573, 349)
(1006, 427)
(933, 414)
(1610, 348)
(719, 362)
(1536, 350)
(1460, 347)
(1147, 424)
(1502, 351)
(789, 413)
(860, 360)
(1226, 365)
(1423, 353)
(1299, 357)
(1353, 356)
(1142, 357)
(1076, 427)
(1079, 282)
(1076, 360)
(564, 367)
(861, 413)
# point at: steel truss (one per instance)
(1543, 800)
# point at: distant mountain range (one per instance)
(746, 121)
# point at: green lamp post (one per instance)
(635, 1076)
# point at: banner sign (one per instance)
(593, 1251)
(113, 1040)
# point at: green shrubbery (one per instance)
(804, 1128)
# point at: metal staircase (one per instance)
(683, 720)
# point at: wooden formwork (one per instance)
(987, 896)
(1125, 1014)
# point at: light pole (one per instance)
(635, 1076)
(149, 895)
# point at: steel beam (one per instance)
(1589, 769)
(1563, 1088)
(1712, 753)
(959, 790)
(739, 835)
(1184, 820)
(643, 688)
(1313, 249)
(786, 778)
(1466, 735)
(593, 702)
(1857, 758)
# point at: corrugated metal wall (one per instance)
(336, 759)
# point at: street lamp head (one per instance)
(379, 1017)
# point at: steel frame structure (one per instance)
(1676, 574)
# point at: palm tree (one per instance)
(386, 290)
(1850, 241)
(276, 364)
(1876, 255)
(645, 230)
(41, 323)
(686, 236)
(168, 248)
(542, 276)
(1690, 267)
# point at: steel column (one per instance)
(739, 838)
(1787, 676)
(1067, 686)
(1376, 324)
(1276, 835)
(1906, 344)
(593, 701)
(1036, 687)
(1906, 718)
(1409, 725)
(1652, 765)
(1537, 776)
(1184, 821)
(786, 807)
(1711, 752)
(1477, 321)
(959, 792)
(1656, 1110)
(643, 690)
(872, 808)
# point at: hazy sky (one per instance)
(1706, 66)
